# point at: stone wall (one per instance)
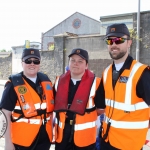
(47, 64)
(5, 67)
(54, 62)
(144, 50)
(98, 65)
(145, 35)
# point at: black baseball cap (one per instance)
(118, 30)
(81, 52)
(30, 52)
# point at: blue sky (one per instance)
(26, 19)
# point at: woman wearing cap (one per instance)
(78, 101)
(28, 104)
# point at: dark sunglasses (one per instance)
(29, 61)
(118, 40)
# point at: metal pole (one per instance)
(138, 33)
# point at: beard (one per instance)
(117, 56)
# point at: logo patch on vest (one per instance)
(79, 101)
(22, 90)
(52, 101)
(22, 98)
(26, 106)
(123, 79)
(48, 87)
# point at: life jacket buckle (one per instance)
(71, 122)
(69, 106)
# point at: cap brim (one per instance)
(114, 34)
(30, 56)
(78, 55)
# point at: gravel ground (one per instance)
(53, 146)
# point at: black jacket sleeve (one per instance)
(99, 98)
(143, 86)
(9, 97)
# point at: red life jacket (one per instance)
(81, 97)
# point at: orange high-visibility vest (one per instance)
(85, 125)
(25, 128)
(127, 113)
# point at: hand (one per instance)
(100, 111)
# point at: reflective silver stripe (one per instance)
(60, 123)
(17, 107)
(105, 73)
(92, 93)
(126, 107)
(129, 83)
(56, 84)
(31, 121)
(43, 106)
(48, 118)
(128, 125)
(37, 106)
(85, 126)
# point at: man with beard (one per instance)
(127, 94)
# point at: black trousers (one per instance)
(41, 142)
(66, 145)
(106, 146)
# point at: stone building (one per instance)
(54, 61)
(76, 24)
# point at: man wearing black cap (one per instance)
(127, 94)
(28, 104)
(78, 102)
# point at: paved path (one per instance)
(53, 146)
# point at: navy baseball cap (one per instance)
(117, 30)
(81, 52)
(30, 52)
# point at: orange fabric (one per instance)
(24, 133)
(119, 137)
(58, 129)
(28, 99)
(149, 116)
(87, 136)
(82, 137)
(49, 98)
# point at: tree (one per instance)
(2, 50)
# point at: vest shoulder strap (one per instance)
(16, 79)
